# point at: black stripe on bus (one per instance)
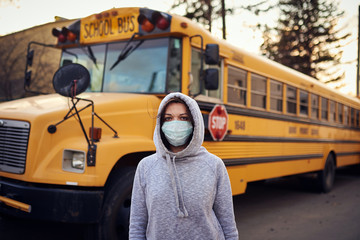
(254, 160)
(270, 115)
(243, 138)
(347, 153)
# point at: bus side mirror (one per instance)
(27, 78)
(30, 57)
(29, 62)
(212, 54)
(211, 79)
(71, 80)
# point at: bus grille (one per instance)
(14, 137)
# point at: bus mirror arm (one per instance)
(91, 154)
(69, 81)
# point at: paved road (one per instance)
(285, 209)
(273, 210)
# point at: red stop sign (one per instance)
(218, 122)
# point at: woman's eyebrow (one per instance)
(181, 114)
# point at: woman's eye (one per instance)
(166, 119)
(184, 118)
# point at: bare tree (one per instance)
(9, 59)
(13, 51)
(306, 37)
(204, 11)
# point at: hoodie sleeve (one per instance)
(223, 205)
(138, 210)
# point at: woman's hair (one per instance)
(162, 117)
(175, 100)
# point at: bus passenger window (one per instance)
(332, 111)
(258, 91)
(276, 95)
(352, 117)
(291, 99)
(304, 103)
(237, 85)
(324, 108)
(346, 115)
(340, 113)
(314, 106)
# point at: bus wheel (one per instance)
(114, 223)
(326, 177)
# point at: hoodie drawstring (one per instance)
(174, 180)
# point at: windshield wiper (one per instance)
(127, 50)
(90, 54)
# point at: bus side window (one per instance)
(237, 85)
(258, 91)
(332, 111)
(346, 115)
(340, 113)
(324, 108)
(352, 117)
(314, 106)
(195, 71)
(276, 96)
(304, 103)
(291, 99)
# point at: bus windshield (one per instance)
(152, 66)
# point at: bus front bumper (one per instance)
(49, 202)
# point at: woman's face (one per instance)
(176, 111)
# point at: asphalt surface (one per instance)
(272, 210)
(289, 209)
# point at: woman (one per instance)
(182, 191)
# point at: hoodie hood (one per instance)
(198, 132)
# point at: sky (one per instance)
(22, 14)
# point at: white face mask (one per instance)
(177, 132)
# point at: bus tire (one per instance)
(114, 222)
(326, 177)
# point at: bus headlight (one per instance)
(74, 161)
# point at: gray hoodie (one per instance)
(184, 195)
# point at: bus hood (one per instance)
(30, 108)
(132, 116)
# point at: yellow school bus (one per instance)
(71, 157)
